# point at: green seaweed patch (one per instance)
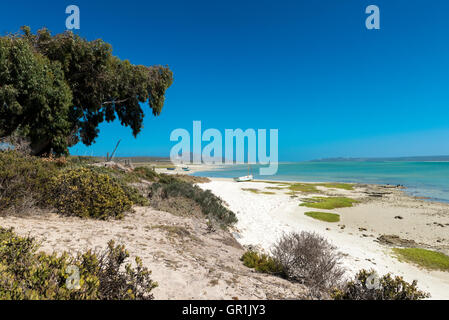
(304, 187)
(344, 186)
(257, 191)
(328, 203)
(424, 258)
(323, 216)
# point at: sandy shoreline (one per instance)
(189, 262)
(264, 218)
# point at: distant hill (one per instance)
(419, 158)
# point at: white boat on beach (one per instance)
(245, 178)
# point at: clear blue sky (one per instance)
(308, 68)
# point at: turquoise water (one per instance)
(424, 179)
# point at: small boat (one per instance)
(186, 169)
(171, 169)
(245, 178)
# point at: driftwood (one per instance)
(113, 153)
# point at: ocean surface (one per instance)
(423, 179)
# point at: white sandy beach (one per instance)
(262, 219)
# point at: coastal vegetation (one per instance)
(262, 263)
(312, 187)
(310, 259)
(328, 203)
(304, 187)
(323, 216)
(424, 258)
(71, 188)
(304, 257)
(78, 187)
(257, 191)
(27, 274)
(184, 198)
(57, 89)
(366, 285)
(344, 186)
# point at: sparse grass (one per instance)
(425, 258)
(273, 182)
(304, 187)
(275, 188)
(323, 216)
(328, 203)
(344, 186)
(257, 191)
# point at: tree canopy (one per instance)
(56, 90)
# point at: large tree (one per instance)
(56, 90)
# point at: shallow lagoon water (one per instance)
(422, 179)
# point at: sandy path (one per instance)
(264, 218)
(186, 260)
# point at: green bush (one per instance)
(146, 173)
(262, 263)
(28, 275)
(211, 205)
(88, 194)
(22, 178)
(367, 286)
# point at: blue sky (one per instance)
(308, 68)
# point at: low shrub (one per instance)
(368, 286)
(86, 193)
(22, 180)
(169, 187)
(28, 275)
(309, 259)
(146, 173)
(262, 263)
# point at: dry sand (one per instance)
(191, 263)
(187, 261)
(264, 218)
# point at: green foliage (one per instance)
(310, 259)
(211, 206)
(262, 263)
(86, 193)
(34, 96)
(257, 191)
(28, 275)
(304, 187)
(312, 187)
(344, 186)
(146, 173)
(323, 216)
(425, 258)
(365, 286)
(23, 179)
(328, 203)
(56, 90)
